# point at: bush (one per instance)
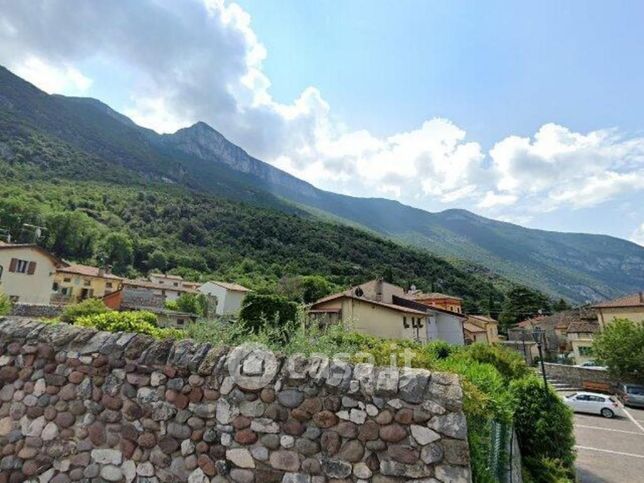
(509, 363)
(5, 304)
(260, 310)
(141, 321)
(82, 309)
(544, 427)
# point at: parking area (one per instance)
(610, 450)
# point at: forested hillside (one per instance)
(139, 228)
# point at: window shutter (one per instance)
(12, 265)
(31, 268)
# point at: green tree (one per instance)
(157, 261)
(260, 310)
(522, 303)
(544, 427)
(117, 249)
(561, 305)
(71, 235)
(188, 302)
(621, 347)
(314, 287)
(5, 304)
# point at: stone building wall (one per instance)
(36, 310)
(81, 405)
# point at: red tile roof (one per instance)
(235, 287)
(633, 300)
(397, 308)
(88, 271)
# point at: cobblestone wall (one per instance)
(80, 405)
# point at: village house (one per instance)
(556, 327)
(76, 282)
(481, 328)
(630, 307)
(227, 297)
(436, 299)
(580, 334)
(169, 291)
(27, 273)
(132, 298)
(384, 310)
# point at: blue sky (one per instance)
(523, 111)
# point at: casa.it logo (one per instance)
(252, 366)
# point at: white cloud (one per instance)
(201, 60)
(638, 235)
(494, 199)
(52, 78)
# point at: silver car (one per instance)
(631, 394)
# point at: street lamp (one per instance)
(538, 336)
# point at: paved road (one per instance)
(610, 450)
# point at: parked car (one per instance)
(594, 403)
(593, 364)
(631, 394)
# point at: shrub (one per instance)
(260, 310)
(83, 309)
(510, 364)
(141, 321)
(544, 428)
(5, 304)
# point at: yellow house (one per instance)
(630, 307)
(27, 273)
(580, 335)
(79, 282)
(481, 328)
(371, 317)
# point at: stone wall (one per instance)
(81, 405)
(36, 310)
(576, 376)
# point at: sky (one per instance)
(528, 112)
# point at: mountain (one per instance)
(579, 267)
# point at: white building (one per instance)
(228, 297)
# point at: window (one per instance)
(176, 284)
(22, 266)
(108, 284)
(67, 279)
(87, 283)
(405, 324)
(585, 351)
(1, 270)
(55, 287)
(180, 321)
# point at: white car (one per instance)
(594, 403)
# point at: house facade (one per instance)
(227, 297)
(580, 335)
(79, 282)
(481, 328)
(131, 298)
(169, 292)
(630, 307)
(382, 309)
(27, 273)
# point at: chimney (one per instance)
(101, 271)
(379, 290)
(641, 297)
